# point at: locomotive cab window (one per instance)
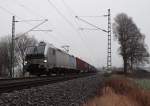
(53, 52)
(41, 49)
(30, 50)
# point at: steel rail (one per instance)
(11, 85)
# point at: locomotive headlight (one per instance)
(45, 61)
(25, 62)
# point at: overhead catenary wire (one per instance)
(32, 29)
(59, 41)
(11, 13)
(63, 16)
(73, 14)
(95, 27)
(29, 20)
(92, 16)
(109, 37)
(92, 24)
(27, 9)
(33, 13)
(7, 11)
(23, 34)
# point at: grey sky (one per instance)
(88, 45)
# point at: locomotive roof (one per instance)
(47, 45)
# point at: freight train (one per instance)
(45, 59)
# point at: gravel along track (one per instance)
(26, 83)
(68, 93)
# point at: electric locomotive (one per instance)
(45, 59)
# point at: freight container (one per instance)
(81, 65)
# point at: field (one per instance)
(143, 83)
(118, 90)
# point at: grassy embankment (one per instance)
(122, 91)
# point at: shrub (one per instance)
(110, 98)
(120, 91)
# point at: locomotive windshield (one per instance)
(35, 51)
(31, 50)
(41, 49)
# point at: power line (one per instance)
(92, 16)
(33, 13)
(32, 29)
(63, 16)
(27, 9)
(71, 11)
(91, 24)
(7, 11)
(12, 14)
(109, 64)
(28, 20)
(73, 14)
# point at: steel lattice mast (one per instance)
(108, 31)
(109, 42)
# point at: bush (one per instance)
(110, 98)
(120, 91)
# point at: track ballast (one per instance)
(8, 85)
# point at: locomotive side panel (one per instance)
(61, 59)
(51, 58)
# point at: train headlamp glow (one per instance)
(25, 62)
(45, 61)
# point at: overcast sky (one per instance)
(88, 45)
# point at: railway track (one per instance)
(8, 85)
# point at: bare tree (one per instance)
(5, 54)
(139, 53)
(121, 31)
(132, 47)
(22, 42)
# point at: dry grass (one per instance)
(110, 98)
(120, 92)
